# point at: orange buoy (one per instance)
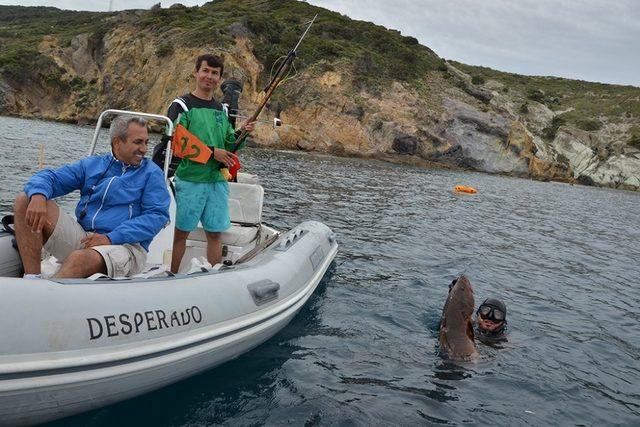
(465, 189)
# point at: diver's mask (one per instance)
(492, 309)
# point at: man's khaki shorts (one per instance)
(121, 260)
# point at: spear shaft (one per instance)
(283, 69)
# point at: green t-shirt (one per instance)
(206, 120)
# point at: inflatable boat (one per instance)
(71, 345)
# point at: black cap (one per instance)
(495, 303)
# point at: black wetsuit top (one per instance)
(487, 337)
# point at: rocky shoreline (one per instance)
(449, 118)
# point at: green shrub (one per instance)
(535, 95)
(551, 131)
(54, 78)
(22, 63)
(552, 100)
(634, 141)
(365, 66)
(332, 30)
(477, 79)
(77, 83)
(460, 84)
(98, 34)
(589, 125)
(524, 108)
(411, 41)
(164, 49)
(558, 121)
(264, 26)
(328, 49)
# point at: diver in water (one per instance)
(491, 321)
(490, 326)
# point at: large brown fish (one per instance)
(456, 328)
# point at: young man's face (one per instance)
(133, 149)
(207, 77)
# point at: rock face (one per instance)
(483, 139)
(453, 123)
(405, 144)
(594, 165)
(6, 97)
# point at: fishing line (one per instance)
(286, 77)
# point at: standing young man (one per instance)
(202, 192)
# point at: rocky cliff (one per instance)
(376, 94)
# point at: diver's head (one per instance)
(492, 315)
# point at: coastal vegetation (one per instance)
(358, 88)
(22, 29)
(375, 54)
(584, 104)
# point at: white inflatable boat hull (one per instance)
(69, 346)
(10, 264)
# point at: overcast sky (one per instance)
(593, 40)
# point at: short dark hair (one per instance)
(212, 60)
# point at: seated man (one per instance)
(123, 204)
(491, 321)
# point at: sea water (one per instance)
(363, 351)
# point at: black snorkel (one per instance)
(231, 88)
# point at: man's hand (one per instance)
(95, 239)
(36, 215)
(249, 127)
(223, 156)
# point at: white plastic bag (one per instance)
(198, 265)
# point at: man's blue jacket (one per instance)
(128, 204)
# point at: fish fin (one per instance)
(470, 332)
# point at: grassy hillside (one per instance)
(375, 52)
(373, 55)
(22, 29)
(583, 104)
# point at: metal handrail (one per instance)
(168, 131)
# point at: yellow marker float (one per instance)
(465, 189)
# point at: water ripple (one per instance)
(364, 349)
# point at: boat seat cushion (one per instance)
(236, 235)
(245, 203)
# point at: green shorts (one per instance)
(205, 202)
